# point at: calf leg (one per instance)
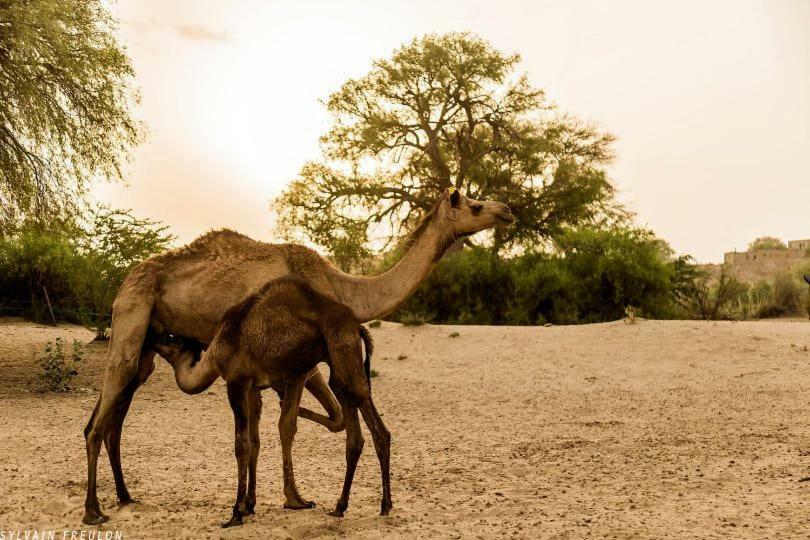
(287, 427)
(256, 401)
(382, 444)
(354, 447)
(239, 398)
(316, 385)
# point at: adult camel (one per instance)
(186, 292)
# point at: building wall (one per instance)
(801, 245)
(751, 266)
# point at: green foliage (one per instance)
(113, 244)
(33, 259)
(82, 269)
(766, 242)
(593, 276)
(412, 319)
(65, 105)
(375, 324)
(708, 299)
(57, 369)
(445, 110)
(728, 298)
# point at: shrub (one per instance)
(80, 268)
(57, 370)
(113, 244)
(592, 276)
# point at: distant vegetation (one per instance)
(593, 275)
(72, 273)
(766, 242)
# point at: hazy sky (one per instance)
(710, 101)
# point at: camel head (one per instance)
(466, 216)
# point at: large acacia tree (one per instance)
(445, 111)
(65, 105)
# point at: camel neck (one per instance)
(373, 297)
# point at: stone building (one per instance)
(752, 266)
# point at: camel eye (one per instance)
(476, 209)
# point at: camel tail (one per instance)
(368, 343)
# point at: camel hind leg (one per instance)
(126, 370)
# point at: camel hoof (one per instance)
(94, 518)
(124, 501)
(233, 522)
(299, 505)
(336, 513)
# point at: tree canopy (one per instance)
(65, 105)
(766, 242)
(446, 110)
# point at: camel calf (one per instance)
(276, 338)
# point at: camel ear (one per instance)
(453, 195)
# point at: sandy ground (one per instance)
(658, 429)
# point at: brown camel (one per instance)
(274, 339)
(185, 292)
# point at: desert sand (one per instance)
(657, 429)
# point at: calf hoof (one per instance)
(250, 509)
(125, 500)
(385, 510)
(298, 504)
(94, 517)
(336, 513)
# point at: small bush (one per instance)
(57, 370)
(412, 319)
(373, 373)
(630, 315)
(454, 334)
(375, 324)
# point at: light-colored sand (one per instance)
(659, 429)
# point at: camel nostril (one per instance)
(507, 209)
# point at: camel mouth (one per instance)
(506, 218)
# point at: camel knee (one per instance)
(338, 423)
(287, 427)
(242, 444)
